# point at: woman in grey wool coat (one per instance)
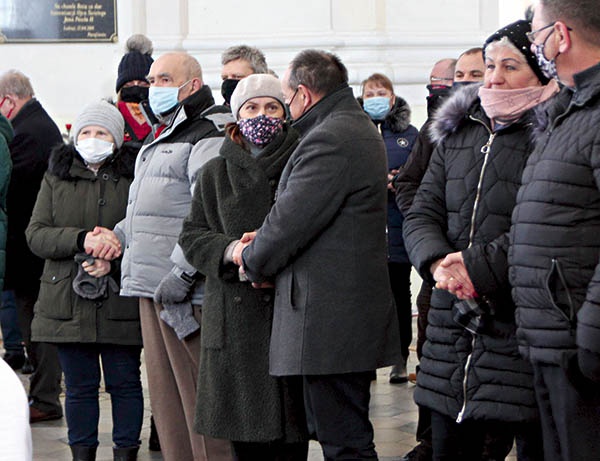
(238, 400)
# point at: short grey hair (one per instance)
(504, 42)
(17, 83)
(252, 55)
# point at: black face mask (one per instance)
(437, 95)
(227, 88)
(134, 93)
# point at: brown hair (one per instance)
(379, 80)
(232, 130)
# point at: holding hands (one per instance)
(450, 274)
(102, 243)
(98, 268)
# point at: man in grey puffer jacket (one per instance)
(153, 266)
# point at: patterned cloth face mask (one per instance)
(260, 130)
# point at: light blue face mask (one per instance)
(377, 107)
(164, 98)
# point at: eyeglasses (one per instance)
(531, 35)
(293, 96)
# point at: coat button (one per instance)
(101, 202)
(98, 304)
(237, 299)
(267, 298)
(105, 176)
(53, 277)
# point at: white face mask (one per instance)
(94, 150)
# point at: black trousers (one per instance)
(570, 414)
(337, 413)
(483, 440)
(44, 384)
(400, 281)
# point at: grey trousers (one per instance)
(172, 369)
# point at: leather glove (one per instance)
(172, 289)
(181, 318)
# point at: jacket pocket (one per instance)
(559, 293)
(55, 300)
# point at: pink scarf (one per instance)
(506, 106)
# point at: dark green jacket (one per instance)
(72, 200)
(6, 135)
(237, 398)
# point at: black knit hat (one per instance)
(515, 33)
(136, 63)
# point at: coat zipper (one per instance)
(485, 149)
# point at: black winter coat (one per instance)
(464, 203)
(35, 136)
(237, 398)
(555, 237)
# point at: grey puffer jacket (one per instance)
(161, 194)
(464, 204)
(555, 236)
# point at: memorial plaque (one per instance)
(58, 21)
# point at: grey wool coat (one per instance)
(237, 398)
(324, 241)
(71, 201)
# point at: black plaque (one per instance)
(58, 21)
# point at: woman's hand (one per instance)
(98, 269)
(102, 243)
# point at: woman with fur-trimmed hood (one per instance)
(471, 374)
(391, 114)
(82, 195)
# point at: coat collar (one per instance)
(323, 108)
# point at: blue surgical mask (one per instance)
(164, 98)
(377, 107)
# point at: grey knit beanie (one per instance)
(255, 86)
(102, 114)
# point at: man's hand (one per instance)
(391, 175)
(99, 268)
(239, 248)
(172, 289)
(102, 243)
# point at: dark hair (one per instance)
(581, 15)
(320, 71)
(378, 80)
(470, 51)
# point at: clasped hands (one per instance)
(243, 242)
(104, 246)
(450, 274)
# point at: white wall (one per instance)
(400, 38)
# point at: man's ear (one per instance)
(306, 96)
(563, 36)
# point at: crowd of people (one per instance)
(259, 252)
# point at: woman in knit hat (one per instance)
(238, 400)
(132, 90)
(472, 377)
(83, 194)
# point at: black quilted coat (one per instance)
(464, 203)
(555, 238)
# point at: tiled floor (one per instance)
(393, 416)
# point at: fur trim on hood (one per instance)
(122, 162)
(453, 112)
(398, 118)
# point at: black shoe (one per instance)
(81, 453)
(14, 359)
(125, 454)
(36, 416)
(398, 374)
(153, 441)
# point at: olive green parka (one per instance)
(73, 200)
